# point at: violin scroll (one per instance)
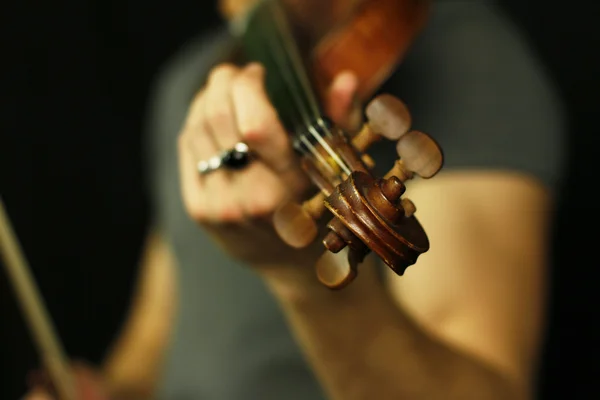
(369, 213)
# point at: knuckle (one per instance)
(198, 97)
(253, 74)
(258, 210)
(229, 214)
(255, 70)
(181, 141)
(196, 211)
(184, 142)
(221, 71)
(241, 83)
(255, 66)
(218, 114)
(263, 205)
(194, 113)
(258, 128)
(253, 134)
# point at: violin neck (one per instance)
(268, 37)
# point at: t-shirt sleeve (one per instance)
(473, 84)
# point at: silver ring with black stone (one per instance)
(236, 158)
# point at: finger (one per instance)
(342, 104)
(258, 122)
(278, 175)
(205, 197)
(190, 183)
(218, 109)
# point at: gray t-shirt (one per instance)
(470, 81)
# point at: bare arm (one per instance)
(461, 324)
(134, 363)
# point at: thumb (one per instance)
(342, 104)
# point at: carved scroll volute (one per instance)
(370, 214)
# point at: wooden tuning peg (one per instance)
(296, 223)
(388, 118)
(336, 271)
(365, 138)
(409, 207)
(420, 154)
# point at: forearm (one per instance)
(134, 363)
(362, 346)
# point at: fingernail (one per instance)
(255, 67)
(356, 117)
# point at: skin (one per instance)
(464, 323)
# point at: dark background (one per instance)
(75, 76)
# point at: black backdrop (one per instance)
(75, 77)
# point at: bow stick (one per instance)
(36, 315)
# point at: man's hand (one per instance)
(236, 207)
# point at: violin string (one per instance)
(305, 147)
(289, 49)
(295, 95)
(295, 59)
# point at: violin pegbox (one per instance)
(369, 213)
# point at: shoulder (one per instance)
(473, 82)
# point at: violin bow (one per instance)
(36, 314)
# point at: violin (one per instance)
(303, 45)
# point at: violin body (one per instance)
(304, 45)
(367, 37)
